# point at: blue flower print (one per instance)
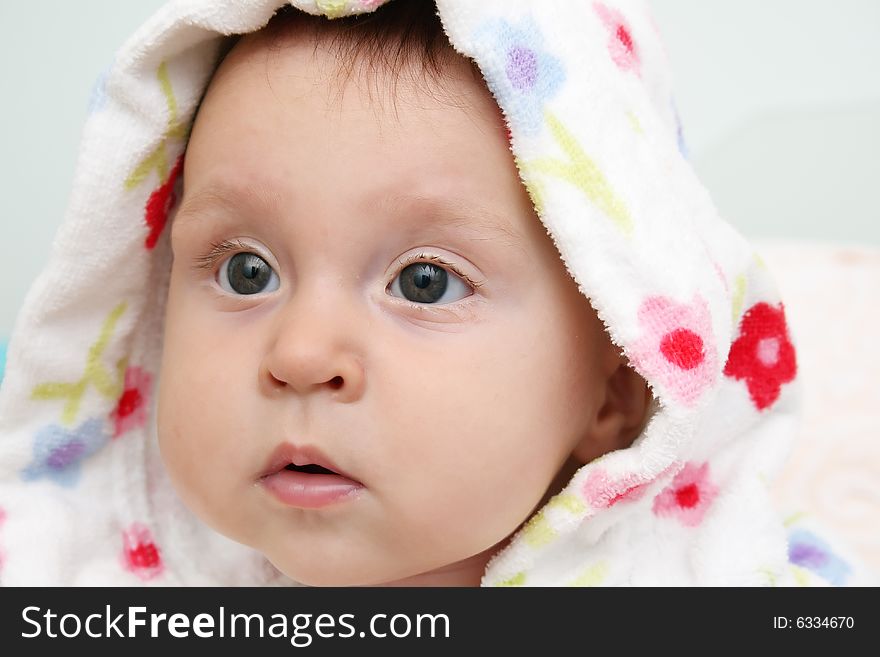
(679, 129)
(526, 76)
(2, 359)
(58, 452)
(98, 97)
(807, 550)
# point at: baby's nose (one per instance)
(313, 346)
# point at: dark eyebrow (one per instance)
(477, 221)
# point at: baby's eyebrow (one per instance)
(199, 204)
(475, 220)
(480, 222)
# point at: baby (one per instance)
(362, 313)
(425, 294)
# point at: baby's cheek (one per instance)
(499, 498)
(198, 480)
(492, 514)
(177, 455)
(179, 436)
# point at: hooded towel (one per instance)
(585, 91)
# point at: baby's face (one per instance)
(449, 393)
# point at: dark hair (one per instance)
(402, 37)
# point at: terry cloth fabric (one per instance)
(585, 90)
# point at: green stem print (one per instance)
(95, 374)
(577, 169)
(157, 159)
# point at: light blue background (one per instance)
(780, 103)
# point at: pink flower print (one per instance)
(600, 491)
(677, 347)
(688, 496)
(620, 44)
(139, 553)
(131, 409)
(763, 354)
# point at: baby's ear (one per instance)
(624, 399)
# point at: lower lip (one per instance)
(309, 491)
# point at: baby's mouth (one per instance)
(311, 468)
(307, 486)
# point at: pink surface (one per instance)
(832, 300)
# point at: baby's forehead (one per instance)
(483, 197)
(379, 56)
(297, 68)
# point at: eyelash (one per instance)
(224, 247)
(218, 250)
(420, 257)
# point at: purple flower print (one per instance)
(526, 76)
(58, 452)
(679, 134)
(807, 550)
(522, 67)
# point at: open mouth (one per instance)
(311, 468)
(302, 464)
(313, 484)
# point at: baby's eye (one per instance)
(247, 273)
(425, 282)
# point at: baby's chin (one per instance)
(345, 571)
(327, 576)
(320, 570)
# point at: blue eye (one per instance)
(424, 282)
(247, 273)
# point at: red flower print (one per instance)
(762, 354)
(688, 496)
(620, 44)
(131, 409)
(160, 203)
(140, 554)
(677, 347)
